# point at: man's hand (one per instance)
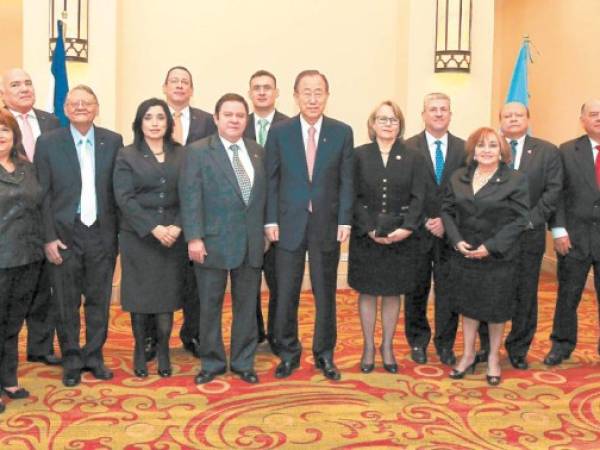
(562, 245)
(51, 249)
(435, 226)
(343, 233)
(479, 253)
(379, 240)
(464, 248)
(272, 233)
(174, 231)
(161, 233)
(197, 251)
(399, 234)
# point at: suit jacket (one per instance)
(250, 131)
(46, 120)
(202, 124)
(59, 174)
(579, 205)
(495, 216)
(290, 190)
(212, 208)
(396, 189)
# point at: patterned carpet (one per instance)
(420, 407)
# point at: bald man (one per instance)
(18, 96)
(576, 230)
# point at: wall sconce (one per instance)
(74, 15)
(453, 36)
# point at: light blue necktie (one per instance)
(513, 150)
(439, 161)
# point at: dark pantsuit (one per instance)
(41, 319)
(271, 279)
(572, 274)
(17, 287)
(417, 329)
(244, 336)
(87, 269)
(323, 276)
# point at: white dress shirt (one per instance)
(185, 122)
(33, 122)
(242, 153)
(269, 120)
(519, 153)
(432, 147)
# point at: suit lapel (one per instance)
(297, 150)
(70, 151)
(250, 131)
(527, 154)
(258, 168)
(422, 145)
(585, 158)
(99, 156)
(219, 154)
(452, 153)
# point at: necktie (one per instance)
(177, 128)
(28, 140)
(311, 151)
(262, 131)
(598, 166)
(240, 173)
(439, 161)
(513, 151)
(88, 184)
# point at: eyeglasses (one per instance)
(82, 103)
(383, 120)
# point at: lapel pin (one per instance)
(529, 151)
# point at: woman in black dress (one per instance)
(388, 207)
(153, 255)
(21, 249)
(485, 209)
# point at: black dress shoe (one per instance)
(72, 377)
(481, 356)
(140, 373)
(249, 376)
(418, 355)
(447, 356)
(49, 360)
(206, 377)
(18, 394)
(330, 371)
(285, 368)
(101, 373)
(518, 362)
(149, 349)
(165, 373)
(555, 357)
(192, 347)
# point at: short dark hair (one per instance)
(230, 97)
(185, 69)
(138, 134)
(310, 73)
(17, 151)
(262, 73)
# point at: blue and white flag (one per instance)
(517, 91)
(59, 74)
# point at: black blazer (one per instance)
(202, 124)
(579, 205)
(212, 208)
(146, 190)
(495, 216)
(290, 190)
(58, 172)
(397, 188)
(46, 120)
(250, 131)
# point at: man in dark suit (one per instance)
(190, 125)
(309, 208)
(18, 95)
(540, 161)
(263, 92)
(222, 191)
(576, 230)
(74, 167)
(444, 153)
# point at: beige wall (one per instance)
(11, 24)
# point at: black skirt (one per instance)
(378, 269)
(483, 290)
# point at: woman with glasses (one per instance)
(389, 193)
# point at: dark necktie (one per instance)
(439, 161)
(513, 151)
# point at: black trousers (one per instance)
(572, 275)
(270, 278)
(323, 277)
(244, 335)
(17, 287)
(436, 261)
(87, 269)
(41, 318)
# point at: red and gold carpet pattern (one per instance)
(419, 408)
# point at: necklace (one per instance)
(158, 153)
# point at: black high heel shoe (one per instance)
(493, 380)
(392, 367)
(366, 367)
(458, 375)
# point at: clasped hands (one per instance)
(399, 234)
(466, 249)
(166, 235)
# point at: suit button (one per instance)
(385, 180)
(383, 210)
(385, 188)
(383, 203)
(163, 180)
(161, 195)
(384, 195)
(161, 210)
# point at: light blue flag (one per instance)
(59, 71)
(518, 92)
